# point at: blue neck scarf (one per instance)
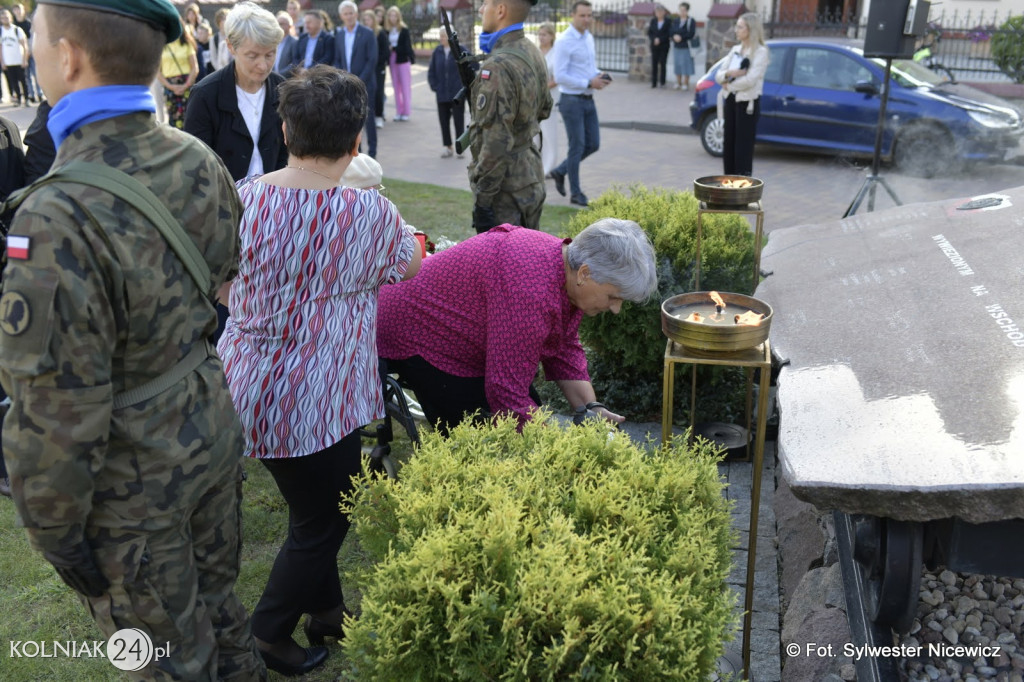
(75, 109)
(487, 40)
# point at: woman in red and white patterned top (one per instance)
(468, 332)
(299, 349)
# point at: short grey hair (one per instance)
(246, 21)
(348, 3)
(617, 252)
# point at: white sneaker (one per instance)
(380, 121)
(677, 86)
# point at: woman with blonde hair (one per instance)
(742, 80)
(193, 16)
(548, 127)
(402, 57)
(370, 21)
(179, 69)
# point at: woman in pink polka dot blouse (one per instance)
(468, 332)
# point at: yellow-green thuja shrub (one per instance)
(552, 554)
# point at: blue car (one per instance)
(824, 95)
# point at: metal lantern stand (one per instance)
(760, 358)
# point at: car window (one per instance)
(775, 66)
(818, 68)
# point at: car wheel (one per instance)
(712, 134)
(924, 151)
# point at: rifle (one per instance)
(467, 74)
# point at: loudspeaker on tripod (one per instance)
(893, 26)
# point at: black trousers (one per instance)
(738, 143)
(16, 82)
(304, 578)
(378, 95)
(446, 111)
(446, 399)
(659, 62)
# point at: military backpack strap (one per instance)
(133, 192)
(137, 195)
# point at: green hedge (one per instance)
(1008, 48)
(554, 554)
(626, 351)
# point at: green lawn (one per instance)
(441, 211)
(37, 606)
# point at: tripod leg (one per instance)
(861, 193)
(890, 191)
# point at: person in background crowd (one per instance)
(193, 16)
(401, 60)
(131, 492)
(13, 57)
(371, 22)
(549, 126)
(659, 34)
(278, 359)
(742, 80)
(179, 69)
(21, 20)
(286, 48)
(577, 77)
(443, 78)
(294, 10)
(220, 56)
(40, 151)
(355, 51)
(682, 61)
(202, 35)
(468, 332)
(510, 97)
(316, 45)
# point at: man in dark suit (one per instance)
(286, 55)
(355, 51)
(315, 46)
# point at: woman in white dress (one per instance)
(548, 127)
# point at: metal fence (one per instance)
(960, 42)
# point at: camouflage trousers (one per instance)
(522, 207)
(176, 583)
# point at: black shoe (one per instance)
(5, 486)
(316, 630)
(579, 200)
(315, 657)
(559, 179)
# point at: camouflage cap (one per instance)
(157, 13)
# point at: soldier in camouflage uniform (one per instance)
(508, 100)
(137, 507)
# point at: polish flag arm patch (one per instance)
(18, 246)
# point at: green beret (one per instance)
(160, 14)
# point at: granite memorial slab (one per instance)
(903, 396)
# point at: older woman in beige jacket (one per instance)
(742, 79)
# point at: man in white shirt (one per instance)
(13, 57)
(577, 77)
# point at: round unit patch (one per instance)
(15, 314)
(481, 101)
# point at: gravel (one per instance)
(968, 628)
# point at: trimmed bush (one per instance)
(552, 554)
(1008, 48)
(626, 351)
